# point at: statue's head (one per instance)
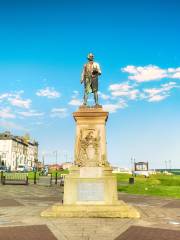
(90, 57)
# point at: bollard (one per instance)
(56, 178)
(131, 180)
(27, 180)
(2, 177)
(35, 177)
(50, 179)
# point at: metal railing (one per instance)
(14, 178)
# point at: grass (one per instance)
(31, 175)
(176, 172)
(59, 172)
(155, 185)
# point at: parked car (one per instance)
(21, 168)
(44, 171)
(3, 169)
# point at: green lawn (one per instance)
(31, 174)
(157, 185)
(59, 172)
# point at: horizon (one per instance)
(44, 45)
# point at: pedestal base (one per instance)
(90, 189)
(90, 186)
(118, 210)
(91, 192)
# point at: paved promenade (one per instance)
(22, 205)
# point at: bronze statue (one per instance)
(90, 73)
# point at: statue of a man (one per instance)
(90, 73)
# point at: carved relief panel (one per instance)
(88, 148)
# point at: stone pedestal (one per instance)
(90, 190)
(90, 185)
(90, 144)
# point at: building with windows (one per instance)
(16, 150)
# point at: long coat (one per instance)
(90, 73)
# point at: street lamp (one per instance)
(55, 152)
(170, 165)
(166, 164)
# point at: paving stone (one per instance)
(9, 203)
(35, 198)
(34, 232)
(173, 204)
(146, 233)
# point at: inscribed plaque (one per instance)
(90, 191)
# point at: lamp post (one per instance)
(43, 158)
(166, 164)
(55, 152)
(132, 164)
(169, 165)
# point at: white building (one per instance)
(15, 151)
(117, 169)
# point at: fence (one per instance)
(34, 178)
(14, 178)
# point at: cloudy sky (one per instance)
(43, 46)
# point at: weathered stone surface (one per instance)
(118, 210)
(90, 172)
(90, 190)
(90, 144)
(108, 188)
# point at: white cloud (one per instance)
(48, 92)
(174, 72)
(150, 73)
(103, 96)
(133, 94)
(59, 112)
(127, 91)
(75, 99)
(4, 95)
(19, 102)
(11, 126)
(125, 86)
(146, 73)
(112, 108)
(75, 102)
(124, 90)
(15, 99)
(6, 113)
(157, 98)
(159, 94)
(176, 75)
(31, 113)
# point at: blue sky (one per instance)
(43, 46)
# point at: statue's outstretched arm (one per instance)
(98, 69)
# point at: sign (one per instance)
(92, 191)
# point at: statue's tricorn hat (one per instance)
(90, 56)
